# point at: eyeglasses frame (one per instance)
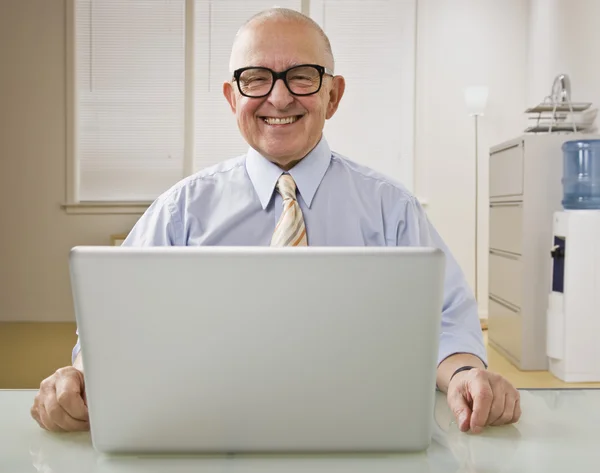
(323, 71)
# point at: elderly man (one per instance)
(290, 189)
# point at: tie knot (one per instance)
(286, 186)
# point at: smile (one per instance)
(281, 120)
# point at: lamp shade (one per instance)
(476, 99)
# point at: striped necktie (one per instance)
(290, 230)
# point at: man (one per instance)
(290, 189)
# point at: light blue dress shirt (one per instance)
(234, 203)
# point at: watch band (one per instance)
(462, 368)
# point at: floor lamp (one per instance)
(476, 100)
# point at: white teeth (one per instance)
(280, 121)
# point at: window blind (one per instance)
(130, 88)
(129, 61)
(373, 44)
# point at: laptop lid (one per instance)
(217, 349)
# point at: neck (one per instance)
(289, 164)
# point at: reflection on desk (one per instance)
(559, 431)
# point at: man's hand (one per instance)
(479, 398)
(60, 404)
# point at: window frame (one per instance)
(73, 204)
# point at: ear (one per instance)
(338, 86)
(229, 94)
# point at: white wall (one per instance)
(462, 43)
(564, 38)
(516, 48)
(35, 234)
(546, 54)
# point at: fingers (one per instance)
(69, 387)
(483, 397)
(460, 408)
(498, 407)
(517, 413)
(47, 422)
(59, 405)
(493, 400)
(508, 413)
(35, 414)
(61, 418)
(38, 411)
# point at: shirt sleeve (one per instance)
(160, 225)
(76, 348)
(461, 328)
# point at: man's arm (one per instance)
(477, 397)
(460, 326)
(447, 368)
(161, 224)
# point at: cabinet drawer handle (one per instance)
(505, 204)
(504, 304)
(504, 254)
(517, 145)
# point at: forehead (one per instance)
(278, 45)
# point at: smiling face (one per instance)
(282, 127)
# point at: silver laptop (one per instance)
(254, 349)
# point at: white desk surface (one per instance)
(559, 432)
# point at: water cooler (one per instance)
(573, 324)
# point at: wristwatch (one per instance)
(462, 368)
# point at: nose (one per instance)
(280, 96)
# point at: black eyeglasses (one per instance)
(302, 80)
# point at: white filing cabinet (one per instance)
(525, 191)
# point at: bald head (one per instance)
(280, 15)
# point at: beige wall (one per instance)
(35, 234)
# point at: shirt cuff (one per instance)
(75, 352)
(453, 345)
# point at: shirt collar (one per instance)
(307, 174)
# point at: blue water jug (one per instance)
(581, 174)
